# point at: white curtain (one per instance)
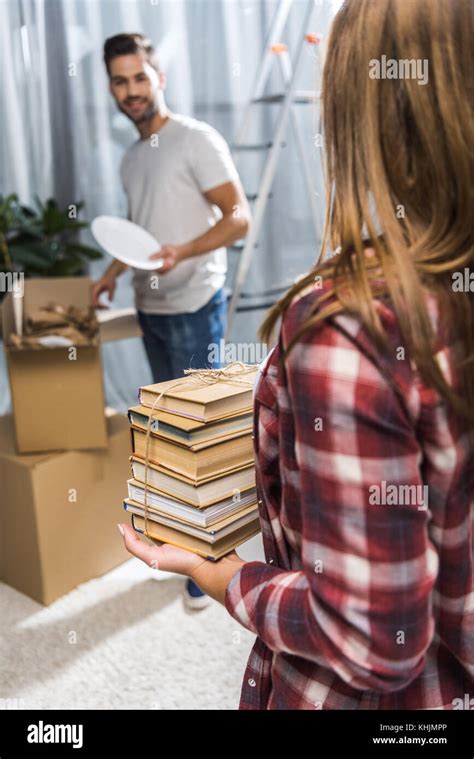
(62, 135)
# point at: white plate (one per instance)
(126, 241)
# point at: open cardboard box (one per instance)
(114, 324)
(58, 401)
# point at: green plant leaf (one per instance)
(28, 212)
(29, 228)
(44, 239)
(29, 258)
(84, 250)
(53, 220)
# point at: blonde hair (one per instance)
(401, 150)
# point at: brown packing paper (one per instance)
(44, 318)
(76, 324)
(114, 324)
(34, 341)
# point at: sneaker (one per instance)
(193, 596)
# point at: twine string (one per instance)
(232, 374)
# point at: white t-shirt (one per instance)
(164, 183)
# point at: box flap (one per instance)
(117, 324)
(66, 291)
(116, 423)
(7, 445)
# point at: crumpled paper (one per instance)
(77, 325)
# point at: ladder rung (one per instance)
(299, 97)
(240, 246)
(256, 307)
(256, 146)
(266, 293)
(254, 195)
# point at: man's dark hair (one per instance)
(129, 44)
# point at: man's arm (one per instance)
(107, 283)
(115, 268)
(235, 222)
(233, 225)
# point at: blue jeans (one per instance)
(174, 342)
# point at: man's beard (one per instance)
(148, 113)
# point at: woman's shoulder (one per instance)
(338, 338)
(317, 306)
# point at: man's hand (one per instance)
(171, 255)
(107, 285)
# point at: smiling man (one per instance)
(182, 186)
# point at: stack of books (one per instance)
(199, 473)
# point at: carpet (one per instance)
(122, 641)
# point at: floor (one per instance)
(121, 641)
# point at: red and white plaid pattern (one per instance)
(360, 605)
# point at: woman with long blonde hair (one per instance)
(364, 410)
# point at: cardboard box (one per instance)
(58, 403)
(114, 324)
(118, 324)
(59, 511)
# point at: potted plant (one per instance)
(42, 242)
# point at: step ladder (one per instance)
(274, 50)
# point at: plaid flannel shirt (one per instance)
(366, 601)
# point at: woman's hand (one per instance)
(211, 576)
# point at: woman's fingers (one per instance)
(138, 548)
(166, 557)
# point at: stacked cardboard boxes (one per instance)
(58, 513)
(62, 454)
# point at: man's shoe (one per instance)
(193, 596)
